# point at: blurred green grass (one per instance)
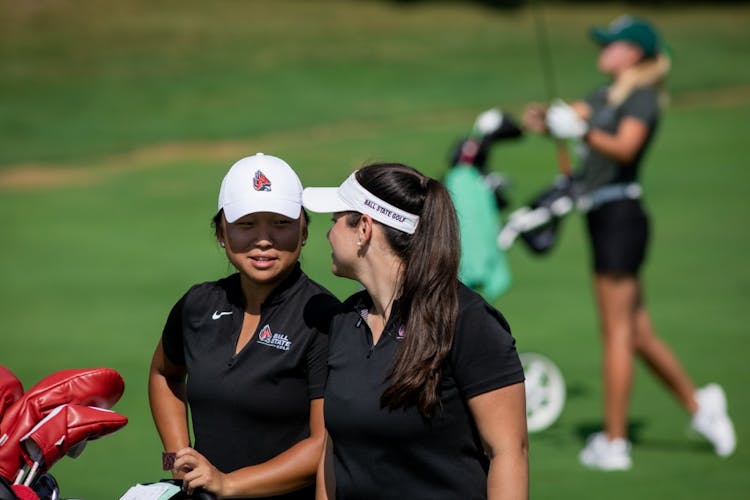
(131, 112)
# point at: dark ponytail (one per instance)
(427, 302)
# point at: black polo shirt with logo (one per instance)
(248, 407)
(383, 454)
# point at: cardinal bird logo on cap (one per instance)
(261, 182)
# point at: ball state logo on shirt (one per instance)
(275, 340)
(261, 182)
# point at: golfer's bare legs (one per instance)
(661, 360)
(617, 298)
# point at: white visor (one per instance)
(352, 197)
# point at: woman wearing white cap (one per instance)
(247, 353)
(615, 125)
(423, 374)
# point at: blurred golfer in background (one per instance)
(615, 125)
(425, 393)
(248, 353)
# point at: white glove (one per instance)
(563, 122)
(488, 121)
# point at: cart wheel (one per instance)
(545, 391)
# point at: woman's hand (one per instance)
(563, 121)
(198, 472)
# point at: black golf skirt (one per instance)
(619, 234)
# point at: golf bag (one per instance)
(491, 127)
(479, 196)
(538, 223)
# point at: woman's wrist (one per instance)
(587, 135)
(228, 486)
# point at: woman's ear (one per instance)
(219, 230)
(364, 229)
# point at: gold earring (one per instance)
(222, 244)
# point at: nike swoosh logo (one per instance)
(217, 314)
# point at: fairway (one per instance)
(118, 120)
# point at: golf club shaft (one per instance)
(550, 84)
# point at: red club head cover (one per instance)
(66, 427)
(11, 389)
(101, 387)
(24, 492)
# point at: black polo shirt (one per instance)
(382, 454)
(249, 407)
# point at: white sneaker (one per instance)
(605, 454)
(711, 420)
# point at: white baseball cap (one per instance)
(260, 183)
(352, 196)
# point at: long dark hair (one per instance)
(427, 301)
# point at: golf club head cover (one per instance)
(65, 427)
(24, 492)
(101, 387)
(507, 129)
(475, 149)
(469, 151)
(11, 389)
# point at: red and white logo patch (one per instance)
(261, 182)
(275, 340)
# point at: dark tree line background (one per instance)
(509, 4)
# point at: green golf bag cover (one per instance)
(483, 267)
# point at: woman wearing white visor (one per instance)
(425, 393)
